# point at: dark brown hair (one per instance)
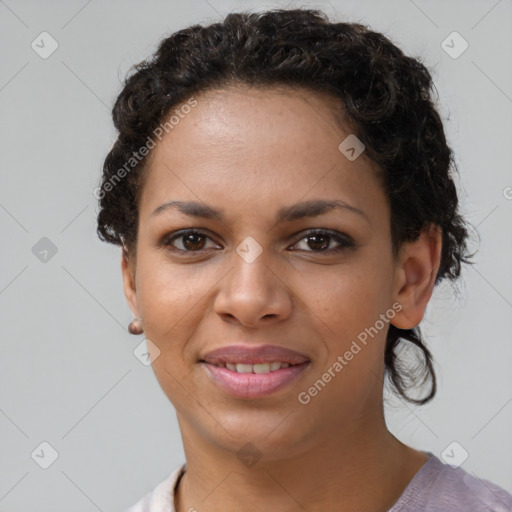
(387, 99)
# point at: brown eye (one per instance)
(186, 241)
(193, 242)
(319, 241)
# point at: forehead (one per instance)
(251, 143)
(273, 115)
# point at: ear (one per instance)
(415, 275)
(128, 272)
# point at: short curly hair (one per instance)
(387, 99)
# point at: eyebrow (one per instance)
(297, 211)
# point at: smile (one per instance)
(254, 368)
(250, 381)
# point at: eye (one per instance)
(190, 240)
(321, 239)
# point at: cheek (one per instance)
(347, 299)
(170, 300)
(169, 289)
(346, 304)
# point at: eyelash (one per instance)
(344, 240)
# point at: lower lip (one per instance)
(253, 385)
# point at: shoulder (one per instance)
(464, 491)
(439, 486)
(161, 498)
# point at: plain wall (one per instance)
(68, 373)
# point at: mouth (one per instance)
(247, 371)
(252, 381)
(252, 367)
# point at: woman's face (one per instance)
(252, 276)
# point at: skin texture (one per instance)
(250, 152)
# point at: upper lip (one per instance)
(249, 354)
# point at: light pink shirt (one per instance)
(436, 487)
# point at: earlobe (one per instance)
(128, 274)
(418, 265)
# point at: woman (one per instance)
(281, 188)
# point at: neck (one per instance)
(364, 470)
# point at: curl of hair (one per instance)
(387, 99)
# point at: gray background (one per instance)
(68, 373)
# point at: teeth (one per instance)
(255, 368)
(244, 368)
(261, 367)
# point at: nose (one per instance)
(253, 294)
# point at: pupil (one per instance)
(192, 238)
(315, 239)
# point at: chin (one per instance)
(273, 434)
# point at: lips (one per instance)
(253, 372)
(243, 354)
